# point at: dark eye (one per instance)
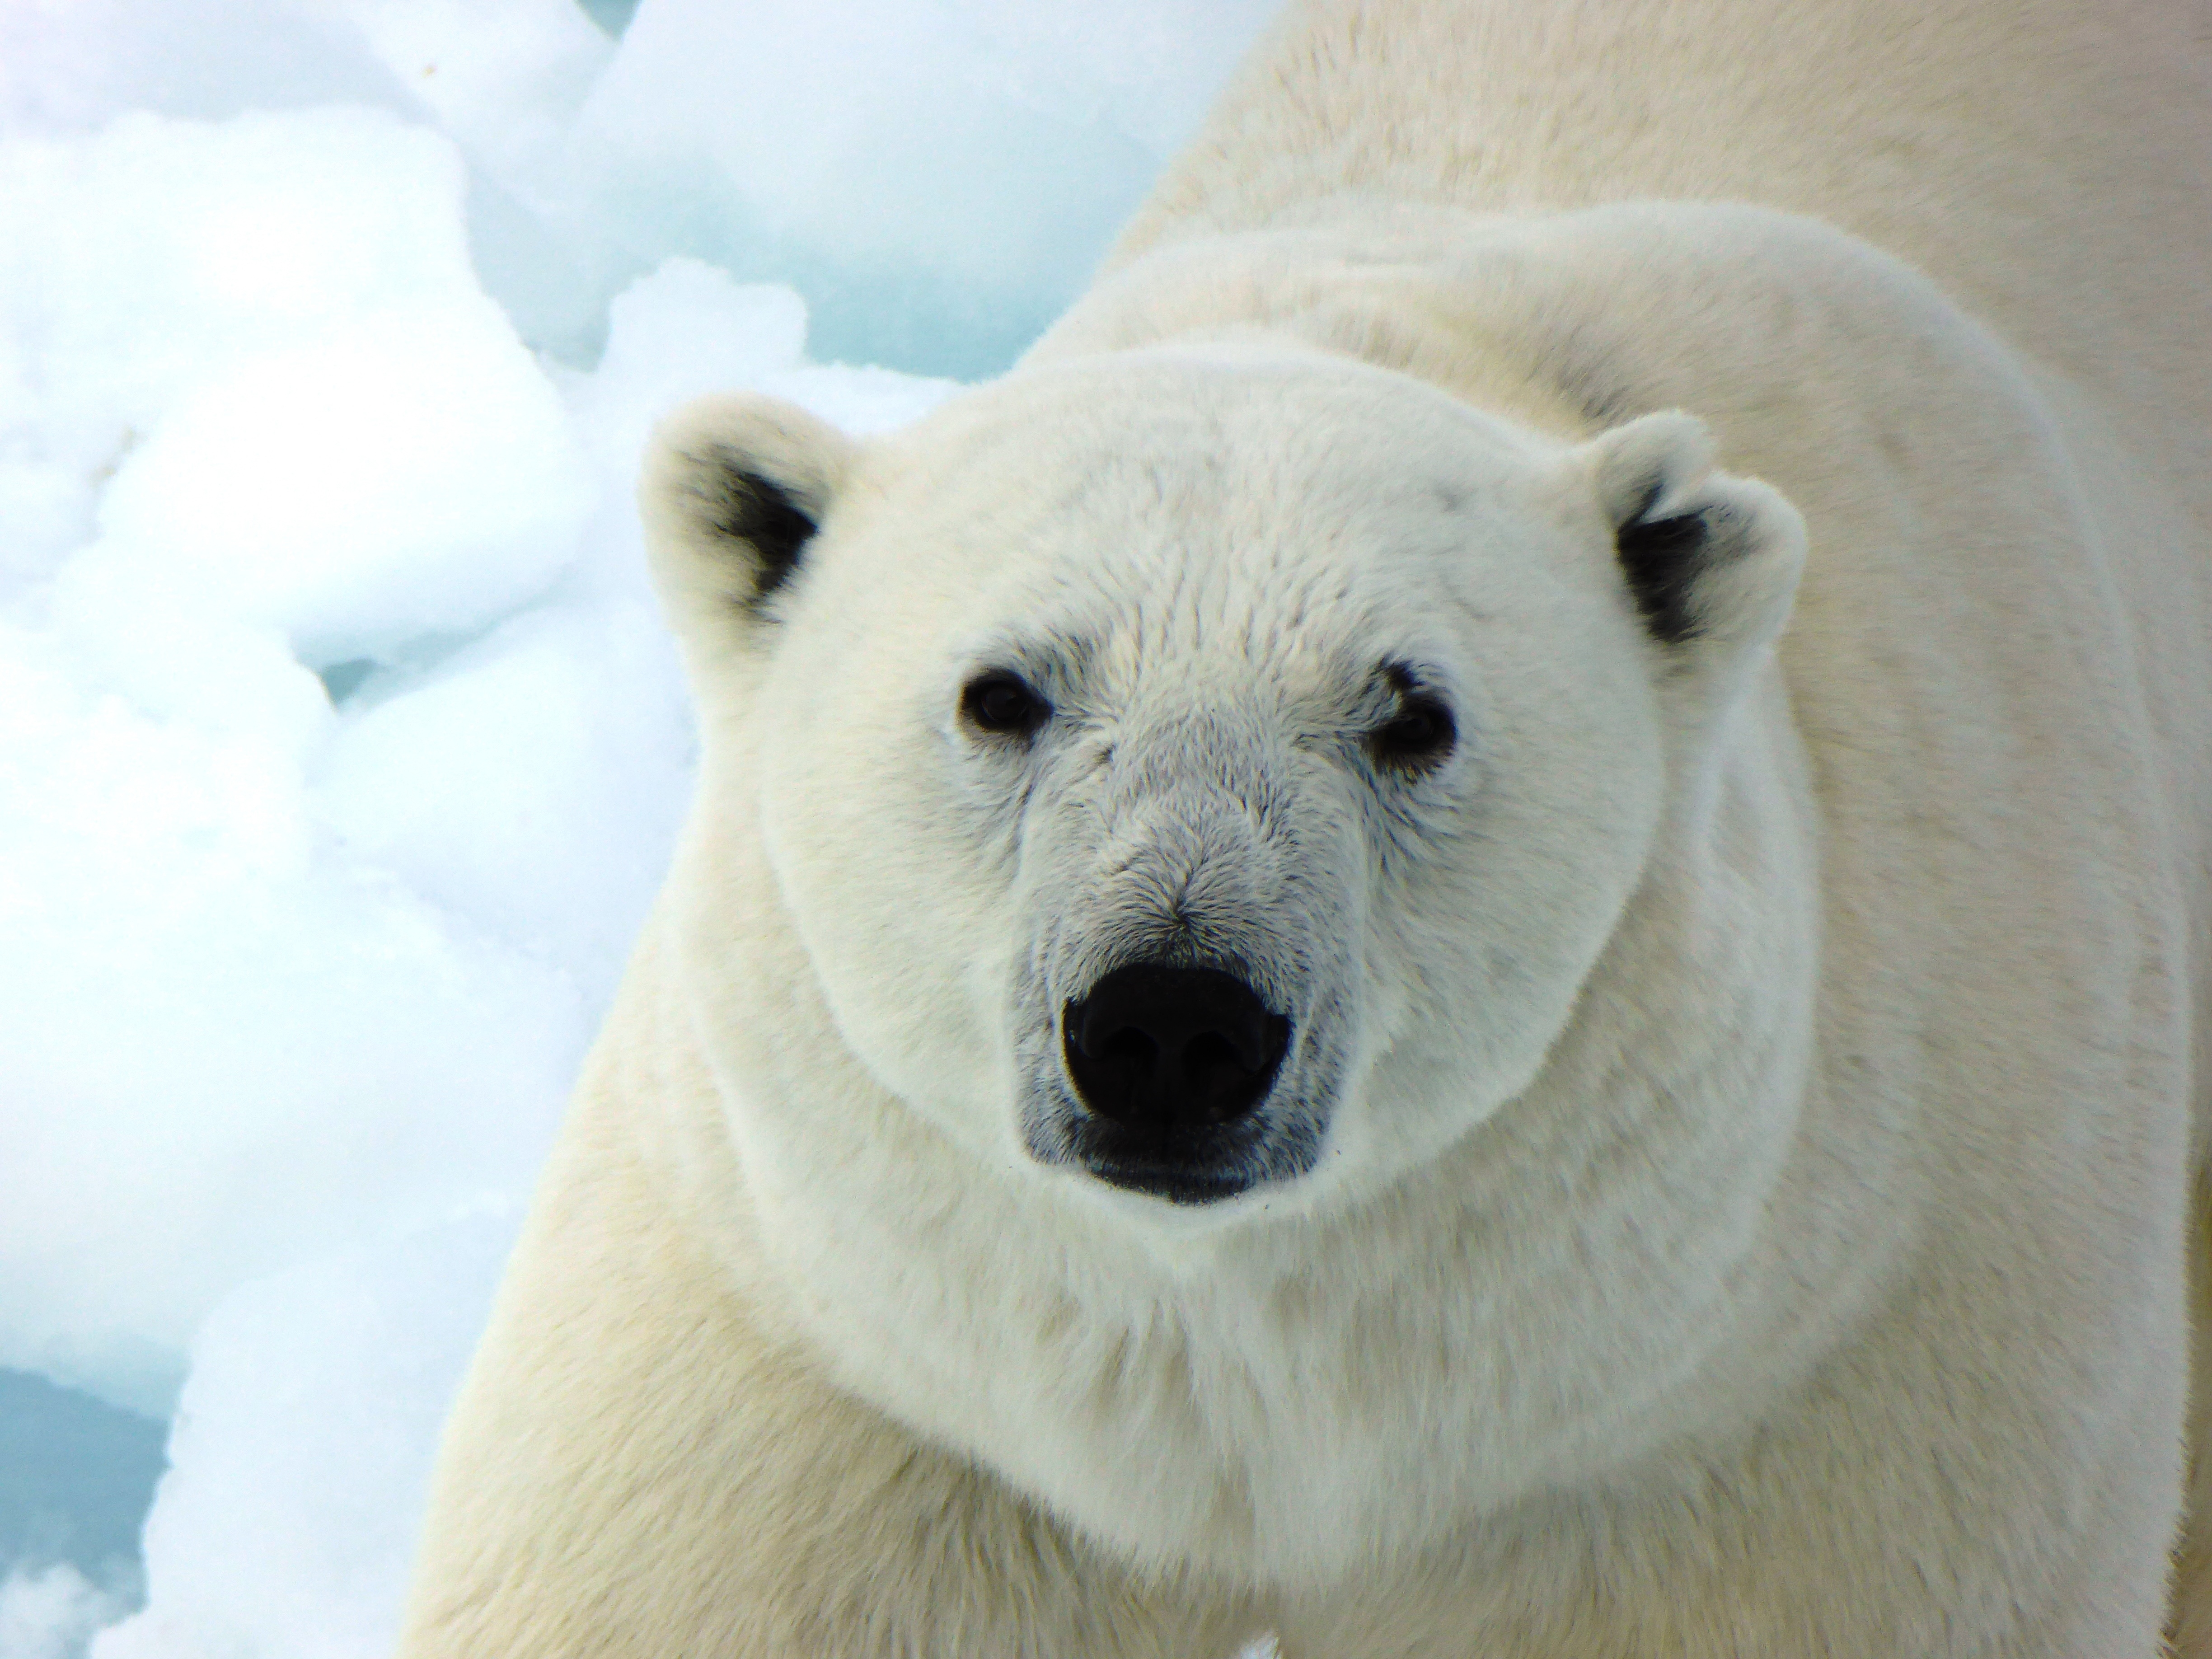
(1002, 703)
(1421, 736)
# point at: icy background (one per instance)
(340, 746)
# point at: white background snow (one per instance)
(340, 743)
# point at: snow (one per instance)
(303, 1438)
(341, 746)
(52, 1612)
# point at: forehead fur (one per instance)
(1228, 420)
(1176, 499)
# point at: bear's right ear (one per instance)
(733, 490)
(1710, 560)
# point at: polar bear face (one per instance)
(1205, 778)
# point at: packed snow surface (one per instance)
(341, 746)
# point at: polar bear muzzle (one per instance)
(1166, 1061)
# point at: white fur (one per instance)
(1752, 1071)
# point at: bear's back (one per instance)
(2046, 161)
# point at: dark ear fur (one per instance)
(732, 490)
(751, 510)
(1660, 558)
(1707, 558)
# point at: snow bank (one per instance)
(52, 1612)
(302, 1447)
(939, 183)
(298, 434)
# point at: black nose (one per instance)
(1168, 1049)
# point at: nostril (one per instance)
(1132, 1048)
(1216, 1073)
(1210, 1052)
(1122, 1063)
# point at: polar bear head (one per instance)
(1204, 776)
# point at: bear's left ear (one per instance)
(1710, 561)
(732, 490)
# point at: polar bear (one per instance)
(1482, 927)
